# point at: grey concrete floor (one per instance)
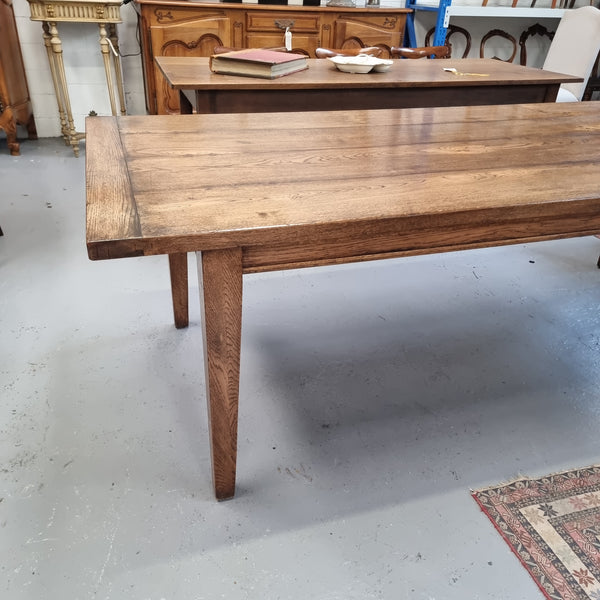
(373, 398)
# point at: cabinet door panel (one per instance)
(196, 38)
(385, 30)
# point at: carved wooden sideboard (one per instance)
(179, 28)
(15, 104)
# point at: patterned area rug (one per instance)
(553, 525)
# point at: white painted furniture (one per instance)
(106, 13)
(574, 49)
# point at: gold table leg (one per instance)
(57, 69)
(108, 42)
(105, 49)
(112, 36)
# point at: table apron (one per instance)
(278, 100)
(276, 258)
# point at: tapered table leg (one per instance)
(179, 288)
(220, 277)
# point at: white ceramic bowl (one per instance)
(362, 63)
(385, 65)
(354, 68)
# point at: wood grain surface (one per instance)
(220, 277)
(342, 183)
(193, 73)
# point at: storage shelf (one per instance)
(502, 11)
(445, 10)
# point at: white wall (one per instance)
(85, 70)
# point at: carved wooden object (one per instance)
(498, 33)
(535, 29)
(422, 52)
(452, 31)
(192, 29)
(15, 103)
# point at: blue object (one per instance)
(441, 25)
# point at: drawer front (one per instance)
(166, 15)
(298, 23)
(301, 44)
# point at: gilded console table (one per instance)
(107, 14)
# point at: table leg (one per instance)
(185, 106)
(220, 277)
(112, 36)
(105, 49)
(8, 122)
(178, 270)
(59, 80)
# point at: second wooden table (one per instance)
(408, 84)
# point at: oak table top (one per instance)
(191, 73)
(259, 192)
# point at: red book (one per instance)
(258, 62)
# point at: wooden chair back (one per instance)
(535, 29)
(453, 30)
(498, 33)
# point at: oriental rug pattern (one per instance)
(553, 525)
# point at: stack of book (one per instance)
(258, 62)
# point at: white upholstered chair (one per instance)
(574, 50)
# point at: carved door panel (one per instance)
(357, 31)
(196, 37)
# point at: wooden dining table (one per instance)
(408, 84)
(265, 192)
